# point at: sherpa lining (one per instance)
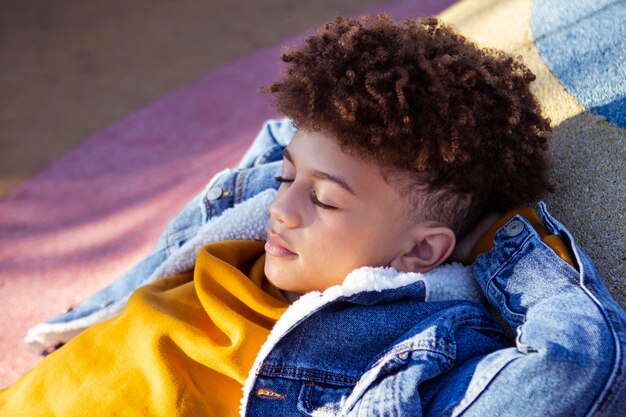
(246, 221)
(446, 282)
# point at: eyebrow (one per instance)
(321, 175)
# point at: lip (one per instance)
(276, 246)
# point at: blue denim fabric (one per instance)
(390, 354)
(569, 353)
(373, 354)
(269, 143)
(255, 173)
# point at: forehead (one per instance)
(319, 150)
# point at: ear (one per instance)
(430, 245)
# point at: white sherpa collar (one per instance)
(248, 221)
(447, 282)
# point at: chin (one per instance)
(273, 275)
(282, 282)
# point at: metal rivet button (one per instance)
(214, 193)
(514, 228)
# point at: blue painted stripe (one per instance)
(584, 44)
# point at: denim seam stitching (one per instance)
(607, 392)
(240, 186)
(613, 376)
(275, 370)
(491, 281)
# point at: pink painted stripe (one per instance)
(98, 209)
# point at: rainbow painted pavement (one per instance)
(98, 209)
(578, 52)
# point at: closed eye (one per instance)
(282, 180)
(318, 203)
(313, 195)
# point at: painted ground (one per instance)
(96, 210)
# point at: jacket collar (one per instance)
(447, 282)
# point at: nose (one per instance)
(284, 209)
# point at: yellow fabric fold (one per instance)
(183, 346)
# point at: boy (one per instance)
(408, 135)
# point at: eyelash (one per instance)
(281, 179)
(313, 196)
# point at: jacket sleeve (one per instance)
(109, 301)
(568, 357)
(256, 172)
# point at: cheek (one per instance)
(340, 251)
(361, 246)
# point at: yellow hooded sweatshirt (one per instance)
(183, 346)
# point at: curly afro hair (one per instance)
(418, 97)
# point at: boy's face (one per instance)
(333, 213)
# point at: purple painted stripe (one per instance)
(98, 209)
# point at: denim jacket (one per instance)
(256, 171)
(384, 351)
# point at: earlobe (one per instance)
(432, 244)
